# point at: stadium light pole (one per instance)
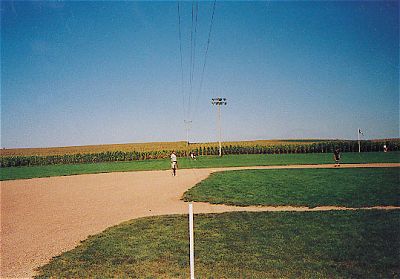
(358, 137)
(218, 102)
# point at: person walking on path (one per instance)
(174, 163)
(336, 157)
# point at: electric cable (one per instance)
(205, 57)
(180, 51)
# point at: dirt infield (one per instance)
(42, 217)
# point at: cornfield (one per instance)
(258, 147)
(130, 147)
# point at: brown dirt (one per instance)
(43, 217)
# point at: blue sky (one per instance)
(77, 73)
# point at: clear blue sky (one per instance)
(77, 73)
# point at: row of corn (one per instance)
(201, 150)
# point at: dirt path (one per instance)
(42, 217)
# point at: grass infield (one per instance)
(333, 244)
(201, 162)
(359, 187)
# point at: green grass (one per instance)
(201, 162)
(301, 187)
(336, 244)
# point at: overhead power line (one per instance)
(189, 87)
(180, 51)
(193, 33)
(205, 56)
(191, 59)
(194, 43)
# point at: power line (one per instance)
(208, 44)
(194, 40)
(191, 61)
(193, 52)
(180, 50)
(205, 56)
(187, 97)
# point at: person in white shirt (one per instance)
(174, 163)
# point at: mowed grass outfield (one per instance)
(333, 244)
(328, 244)
(201, 162)
(352, 187)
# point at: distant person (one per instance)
(192, 156)
(385, 148)
(174, 163)
(336, 157)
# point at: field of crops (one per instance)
(138, 147)
(145, 151)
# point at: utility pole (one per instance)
(187, 124)
(218, 102)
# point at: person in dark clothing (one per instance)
(336, 157)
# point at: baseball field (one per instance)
(199, 139)
(256, 216)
